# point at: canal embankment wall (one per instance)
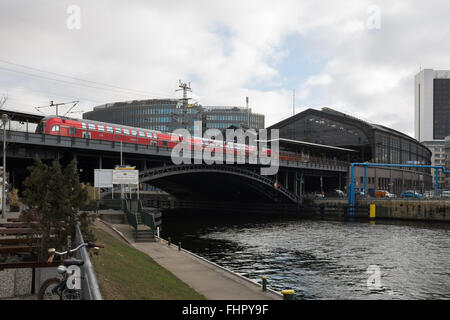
(401, 209)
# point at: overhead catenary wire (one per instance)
(69, 82)
(115, 87)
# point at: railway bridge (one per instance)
(200, 182)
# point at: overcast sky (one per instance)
(359, 56)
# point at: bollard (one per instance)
(288, 294)
(372, 211)
(264, 283)
(168, 241)
(179, 246)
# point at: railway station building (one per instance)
(369, 143)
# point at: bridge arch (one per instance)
(241, 176)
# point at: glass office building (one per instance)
(170, 114)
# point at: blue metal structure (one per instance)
(351, 191)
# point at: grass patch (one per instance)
(125, 273)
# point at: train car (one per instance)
(95, 130)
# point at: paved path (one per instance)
(206, 278)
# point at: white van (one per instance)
(445, 194)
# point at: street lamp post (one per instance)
(4, 121)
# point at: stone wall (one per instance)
(429, 210)
(421, 210)
(15, 282)
(18, 282)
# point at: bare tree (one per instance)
(3, 101)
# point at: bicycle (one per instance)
(66, 287)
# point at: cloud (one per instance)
(230, 50)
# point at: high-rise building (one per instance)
(432, 112)
(432, 105)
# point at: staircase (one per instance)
(142, 220)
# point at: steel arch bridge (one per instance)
(273, 189)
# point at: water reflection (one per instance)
(323, 259)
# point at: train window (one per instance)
(118, 130)
(155, 135)
(100, 128)
(109, 129)
(134, 132)
(86, 135)
(83, 125)
(142, 134)
(73, 130)
(148, 134)
(126, 131)
(164, 143)
(91, 126)
(55, 128)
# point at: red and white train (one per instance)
(89, 129)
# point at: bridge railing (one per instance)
(71, 141)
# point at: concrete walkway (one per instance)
(207, 278)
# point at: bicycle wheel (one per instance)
(46, 290)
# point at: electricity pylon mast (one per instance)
(56, 105)
(185, 87)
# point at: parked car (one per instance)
(335, 194)
(318, 195)
(359, 192)
(445, 194)
(380, 193)
(411, 194)
(429, 194)
(390, 195)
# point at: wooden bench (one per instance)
(16, 231)
(12, 241)
(17, 249)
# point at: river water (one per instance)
(323, 259)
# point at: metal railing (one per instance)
(100, 144)
(131, 217)
(147, 218)
(89, 283)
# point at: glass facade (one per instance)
(170, 114)
(375, 143)
(441, 108)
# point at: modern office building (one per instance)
(432, 112)
(372, 143)
(171, 114)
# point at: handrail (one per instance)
(91, 289)
(131, 218)
(147, 218)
